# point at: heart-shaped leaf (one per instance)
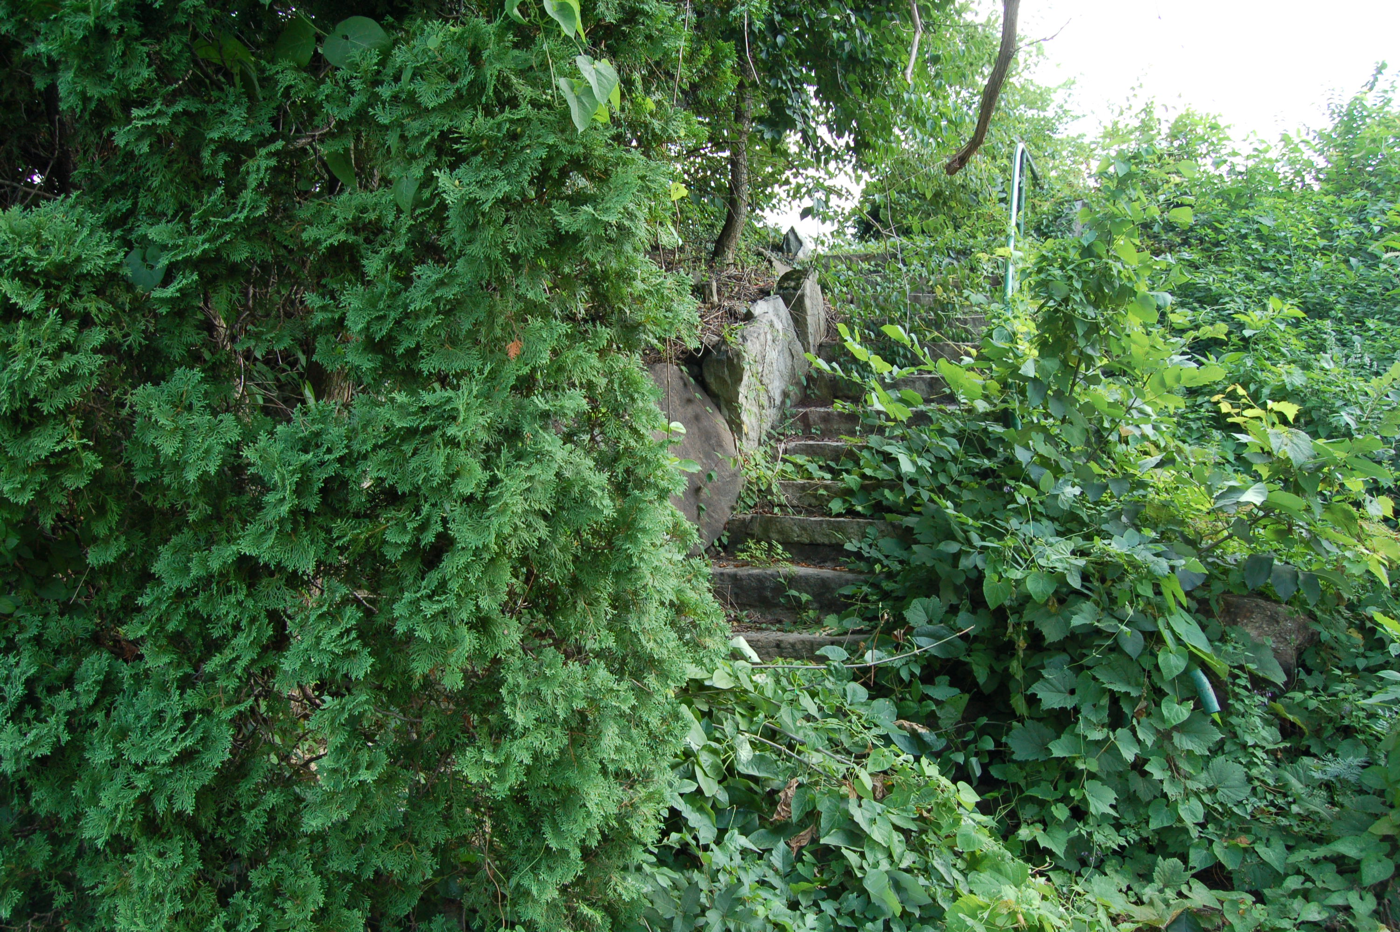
(351, 37)
(513, 10)
(583, 106)
(567, 14)
(342, 167)
(601, 77)
(145, 268)
(297, 42)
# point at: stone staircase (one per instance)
(769, 603)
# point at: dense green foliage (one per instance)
(1103, 486)
(339, 581)
(338, 585)
(808, 804)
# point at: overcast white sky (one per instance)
(1268, 67)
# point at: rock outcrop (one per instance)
(711, 491)
(803, 295)
(757, 371)
(1287, 631)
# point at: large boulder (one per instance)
(1286, 631)
(806, 306)
(712, 490)
(757, 371)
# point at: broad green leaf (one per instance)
(513, 10)
(1170, 874)
(1131, 640)
(1292, 443)
(583, 106)
(996, 591)
(760, 765)
(1287, 501)
(969, 839)
(1197, 735)
(1181, 215)
(1100, 797)
(567, 14)
(961, 381)
(405, 189)
(1173, 712)
(1232, 498)
(678, 190)
(1257, 568)
(352, 36)
(600, 75)
(1172, 661)
(145, 267)
(1030, 740)
(911, 888)
(1041, 585)
(1227, 779)
(297, 43)
(342, 167)
(225, 50)
(1184, 921)
(1375, 868)
(1285, 580)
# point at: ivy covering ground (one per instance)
(1121, 464)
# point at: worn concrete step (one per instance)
(930, 388)
(816, 494)
(827, 422)
(822, 388)
(790, 645)
(809, 494)
(806, 538)
(950, 350)
(829, 451)
(783, 593)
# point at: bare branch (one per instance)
(914, 47)
(993, 89)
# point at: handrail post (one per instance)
(1021, 157)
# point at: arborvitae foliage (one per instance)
(337, 572)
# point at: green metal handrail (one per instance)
(1022, 157)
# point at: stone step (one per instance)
(950, 350)
(822, 388)
(804, 529)
(809, 494)
(828, 451)
(782, 593)
(790, 645)
(815, 495)
(930, 388)
(827, 422)
(806, 538)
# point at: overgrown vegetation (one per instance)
(1121, 463)
(339, 585)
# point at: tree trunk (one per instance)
(992, 91)
(737, 204)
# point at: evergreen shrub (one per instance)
(340, 588)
